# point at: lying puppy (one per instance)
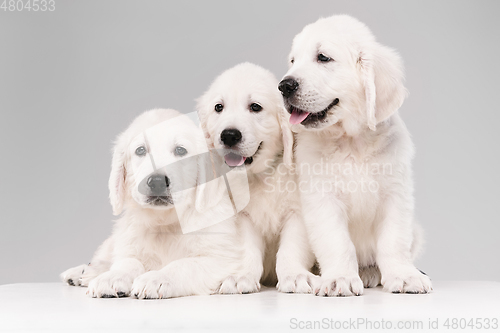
(158, 178)
(241, 114)
(343, 91)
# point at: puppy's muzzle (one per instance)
(157, 184)
(288, 86)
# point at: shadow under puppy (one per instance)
(177, 235)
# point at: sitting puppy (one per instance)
(159, 179)
(343, 91)
(242, 117)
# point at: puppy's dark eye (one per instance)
(180, 151)
(141, 151)
(292, 61)
(218, 107)
(255, 107)
(323, 58)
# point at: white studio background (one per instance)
(72, 79)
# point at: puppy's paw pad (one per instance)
(239, 285)
(341, 286)
(299, 284)
(246, 285)
(152, 285)
(228, 286)
(414, 283)
(110, 284)
(73, 275)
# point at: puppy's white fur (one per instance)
(374, 229)
(147, 255)
(275, 237)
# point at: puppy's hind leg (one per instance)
(81, 275)
(92, 270)
(370, 275)
(101, 262)
(73, 275)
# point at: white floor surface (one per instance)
(54, 307)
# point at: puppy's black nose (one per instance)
(288, 86)
(230, 137)
(158, 184)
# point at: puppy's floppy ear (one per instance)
(287, 136)
(117, 178)
(202, 108)
(382, 73)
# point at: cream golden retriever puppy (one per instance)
(242, 116)
(353, 152)
(158, 182)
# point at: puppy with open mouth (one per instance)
(342, 93)
(242, 116)
(176, 235)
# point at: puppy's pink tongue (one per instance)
(234, 159)
(298, 116)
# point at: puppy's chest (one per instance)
(266, 206)
(156, 249)
(355, 178)
(337, 164)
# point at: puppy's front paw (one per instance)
(153, 285)
(300, 284)
(407, 281)
(73, 276)
(110, 284)
(340, 286)
(240, 285)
